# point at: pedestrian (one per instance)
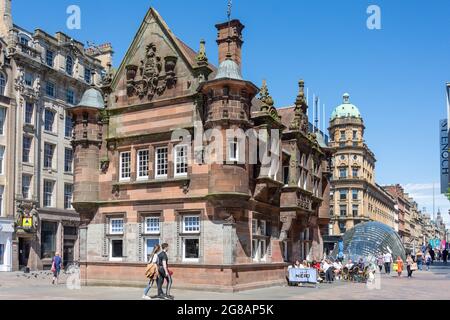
(399, 266)
(56, 267)
(445, 255)
(433, 255)
(152, 271)
(380, 262)
(410, 266)
(164, 274)
(419, 259)
(428, 260)
(387, 262)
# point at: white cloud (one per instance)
(423, 195)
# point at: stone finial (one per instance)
(201, 55)
(265, 97)
(301, 94)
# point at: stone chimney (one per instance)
(6, 23)
(229, 39)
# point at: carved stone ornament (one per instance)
(152, 80)
(104, 165)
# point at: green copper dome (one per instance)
(228, 69)
(346, 109)
(92, 98)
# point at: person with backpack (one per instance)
(152, 271)
(164, 273)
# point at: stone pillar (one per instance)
(229, 246)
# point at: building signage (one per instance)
(27, 223)
(303, 275)
(443, 150)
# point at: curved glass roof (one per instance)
(370, 239)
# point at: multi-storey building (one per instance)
(355, 196)
(231, 219)
(404, 213)
(42, 75)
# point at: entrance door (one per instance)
(24, 252)
(68, 253)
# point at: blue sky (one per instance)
(396, 75)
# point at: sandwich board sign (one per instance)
(303, 275)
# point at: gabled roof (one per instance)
(185, 52)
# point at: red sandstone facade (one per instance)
(230, 225)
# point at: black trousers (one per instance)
(410, 272)
(387, 267)
(329, 275)
(160, 281)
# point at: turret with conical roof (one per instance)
(87, 142)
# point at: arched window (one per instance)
(2, 84)
(69, 65)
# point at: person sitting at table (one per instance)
(349, 264)
(328, 268)
(361, 264)
(337, 268)
(304, 265)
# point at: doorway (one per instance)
(24, 252)
(68, 252)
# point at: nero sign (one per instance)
(443, 142)
(303, 275)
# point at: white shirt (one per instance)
(325, 266)
(155, 258)
(387, 257)
(337, 266)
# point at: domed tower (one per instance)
(352, 168)
(227, 113)
(87, 141)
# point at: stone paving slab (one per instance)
(424, 285)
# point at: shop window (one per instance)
(48, 239)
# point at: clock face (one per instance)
(342, 157)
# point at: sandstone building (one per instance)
(355, 195)
(41, 75)
(231, 224)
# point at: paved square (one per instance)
(423, 286)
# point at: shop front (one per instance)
(6, 234)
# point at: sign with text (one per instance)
(303, 275)
(443, 142)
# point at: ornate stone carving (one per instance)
(152, 82)
(104, 165)
(286, 219)
(304, 201)
(201, 57)
(300, 121)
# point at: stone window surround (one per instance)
(181, 236)
(262, 237)
(108, 237)
(143, 235)
(134, 149)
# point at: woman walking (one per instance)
(380, 262)
(399, 266)
(152, 271)
(56, 267)
(409, 266)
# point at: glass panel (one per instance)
(149, 246)
(116, 248)
(191, 248)
(370, 239)
(48, 239)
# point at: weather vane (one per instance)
(230, 6)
